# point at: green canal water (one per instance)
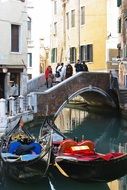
(108, 131)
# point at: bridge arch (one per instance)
(82, 93)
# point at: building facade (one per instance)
(122, 28)
(37, 50)
(13, 48)
(81, 29)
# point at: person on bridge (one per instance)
(58, 72)
(69, 71)
(85, 67)
(49, 76)
(78, 66)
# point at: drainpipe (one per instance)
(64, 31)
(79, 29)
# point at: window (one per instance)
(67, 18)
(29, 59)
(55, 28)
(119, 25)
(73, 18)
(29, 23)
(86, 53)
(73, 55)
(82, 15)
(54, 55)
(29, 76)
(126, 23)
(15, 86)
(29, 27)
(15, 38)
(119, 2)
(125, 51)
(55, 7)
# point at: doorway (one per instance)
(2, 79)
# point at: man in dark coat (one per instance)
(85, 67)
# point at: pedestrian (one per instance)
(58, 73)
(69, 71)
(114, 75)
(49, 76)
(63, 71)
(85, 67)
(78, 66)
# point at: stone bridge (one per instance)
(97, 89)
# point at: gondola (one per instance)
(22, 157)
(80, 161)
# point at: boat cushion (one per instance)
(70, 146)
(16, 147)
(37, 147)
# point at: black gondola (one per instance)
(80, 161)
(24, 158)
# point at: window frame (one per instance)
(55, 28)
(82, 15)
(86, 52)
(73, 18)
(54, 55)
(73, 55)
(15, 38)
(29, 59)
(55, 7)
(67, 20)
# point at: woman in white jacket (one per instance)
(59, 72)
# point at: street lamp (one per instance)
(4, 70)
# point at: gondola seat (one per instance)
(16, 147)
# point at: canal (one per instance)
(108, 131)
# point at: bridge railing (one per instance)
(35, 83)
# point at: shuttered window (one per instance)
(54, 55)
(86, 53)
(72, 55)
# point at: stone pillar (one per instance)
(11, 106)
(21, 107)
(34, 102)
(3, 116)
(29, 96)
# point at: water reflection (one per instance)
(108, 132)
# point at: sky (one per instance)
(42, 19)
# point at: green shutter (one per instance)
(52, 55)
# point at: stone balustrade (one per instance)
(13, 108)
